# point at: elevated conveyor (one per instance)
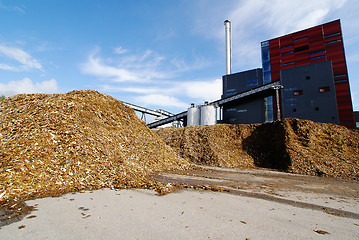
(262, 91)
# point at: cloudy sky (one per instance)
(158, 54)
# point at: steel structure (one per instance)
(157, 113)
(266, 90)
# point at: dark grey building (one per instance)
(309, 93)
(249, 110)
(356, 116)
(240, 82)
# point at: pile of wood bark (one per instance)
(292, 145)
(60, 143)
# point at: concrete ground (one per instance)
(259, 205)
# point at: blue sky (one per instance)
(161, 54)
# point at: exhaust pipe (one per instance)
(227, 25)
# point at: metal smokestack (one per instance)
(227, 25)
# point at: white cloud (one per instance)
(26, 85)
(21, 8)
(254, 19)
(193, 91)
(24, 60)
(120, 50)
(133, 89)
(203, 90)
(181, 65)
(130, 68)
(96, 66)
(160, 100)
(258, 20)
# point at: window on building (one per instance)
(307, 77)
(297, 92)
(298, 39)
(301, 48)
(314, 53)
(287, 53)
(340, 75)
(327, 43)
(242, 110)
(316, 108)
(341, 81)
(287, 46)
(287, 63)
(252, 83)
(294, 110)
(268, 104)
(332, 35)
(324, 89)
(316, 57)
(357, 124)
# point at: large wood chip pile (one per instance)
(292, 145)
(218, 145)
(322, 149)
(54, 144)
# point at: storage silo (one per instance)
(193, 115)
(208, 114)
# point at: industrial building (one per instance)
(310, 66)
(304, 75)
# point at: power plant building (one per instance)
(311, 67)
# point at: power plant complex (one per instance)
(304, 75)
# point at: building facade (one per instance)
(249, 111)
(309, 93)
(311, 67)
(317, 44)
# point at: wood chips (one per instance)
(60, 143)
(82, 140)
(292, 145)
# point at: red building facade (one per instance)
(316, 44)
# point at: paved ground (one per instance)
(259, 205)
(325, 194)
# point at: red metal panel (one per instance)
(275, 67)
(274, 43)
(300, 42)
(287, 57)
(316, 60)
(333, 38)
(323, 40)
(331, 27)
(285, 41)
(287, 49)
(300, 35)
(315, 32)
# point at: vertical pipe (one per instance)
(227, 25)
(277, 88)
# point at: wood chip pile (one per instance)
(217, 145)
(55, 144)
(292, 145)
(322, 149)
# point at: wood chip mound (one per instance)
(291, 145)
(218, 145)
(60, 143)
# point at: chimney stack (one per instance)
(227, 25)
